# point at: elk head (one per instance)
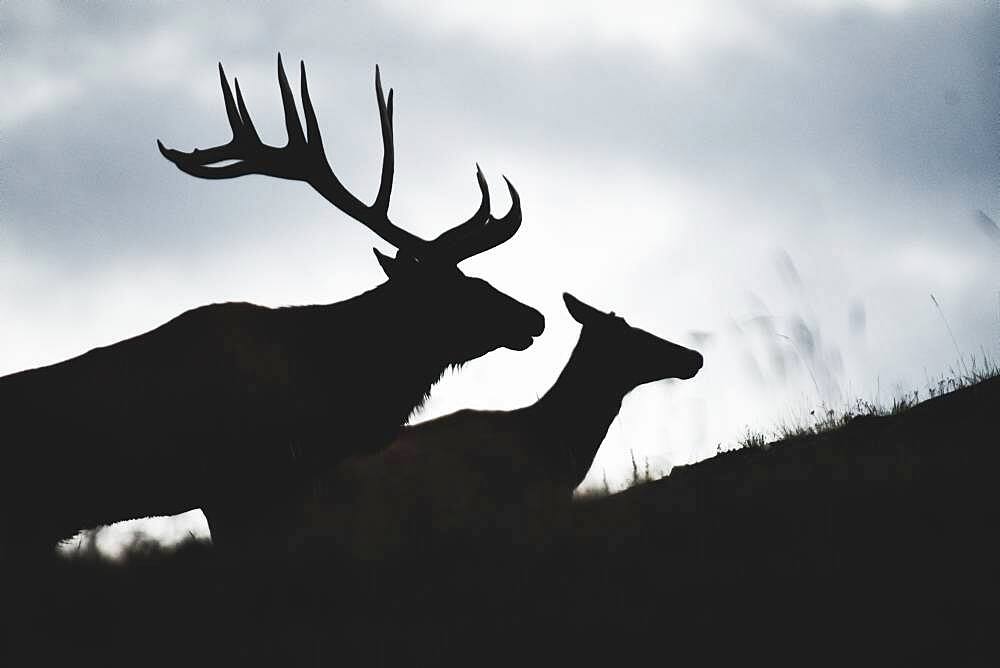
(471, 316)
(639, 356)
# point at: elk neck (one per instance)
(397, 358)
(579, 408)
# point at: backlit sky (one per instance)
(781, 185)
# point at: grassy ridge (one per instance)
(866, 543)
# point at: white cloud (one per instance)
(678, 32)
(31, 93)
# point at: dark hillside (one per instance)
(869, 545)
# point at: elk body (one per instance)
(229, 407)
(442, 473)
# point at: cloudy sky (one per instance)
(782, 185)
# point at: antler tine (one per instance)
(292, 123)
(381, 203)
(474, 225)
(235, 122)
(313, 137)
(248, 128)
(497, 230)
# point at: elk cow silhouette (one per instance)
(229, 407)
(451, 468)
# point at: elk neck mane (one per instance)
(385, 320)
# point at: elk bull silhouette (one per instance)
(467, 468)
(229, 407)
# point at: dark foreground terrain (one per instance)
(869, 545)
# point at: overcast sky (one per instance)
(781, 185)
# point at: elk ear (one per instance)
(581, 312)
(387, 263)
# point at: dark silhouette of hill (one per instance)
(868, 545)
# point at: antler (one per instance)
(303, 159)
(481, 232)
(494, 232)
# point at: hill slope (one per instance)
(869, 544)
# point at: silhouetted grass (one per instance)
(825, 419)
